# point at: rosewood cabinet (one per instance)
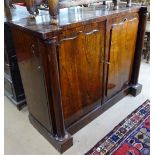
(72, 72)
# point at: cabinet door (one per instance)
(81, 70)
(32, 73)
(121, 53)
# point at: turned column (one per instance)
(61, 134)
(136, 88)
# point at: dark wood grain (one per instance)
(56, 90)
(136, 87)
(139, 44)
(76, 126)
(81, 69)
(75, 70)
(45, 59)
(121, 48)
(60, 146)
(68, 18)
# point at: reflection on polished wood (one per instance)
(75, 70)
(68, 18)
(121, 53)
(81, 69)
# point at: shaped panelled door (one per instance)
(81, 70)
(123, 37)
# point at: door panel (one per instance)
(121, 53)
(81, 72)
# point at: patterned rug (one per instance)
(130, 137)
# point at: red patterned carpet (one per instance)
(130, 137)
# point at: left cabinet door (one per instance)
(80, 58)
(32, 73)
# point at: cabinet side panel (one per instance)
(131, 44)
(32, 74)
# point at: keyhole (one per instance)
(33, 49)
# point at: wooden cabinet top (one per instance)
(68, 18)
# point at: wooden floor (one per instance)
(22, 139)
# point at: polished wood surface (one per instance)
(68, 18)
(56, 88)
(81, 69)
(139, 44)
(75, 70)
(121, 54)
(32, 74)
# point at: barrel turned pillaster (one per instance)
(53, 10)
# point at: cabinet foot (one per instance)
(59, 145)
(136, 89)
(19, 104)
